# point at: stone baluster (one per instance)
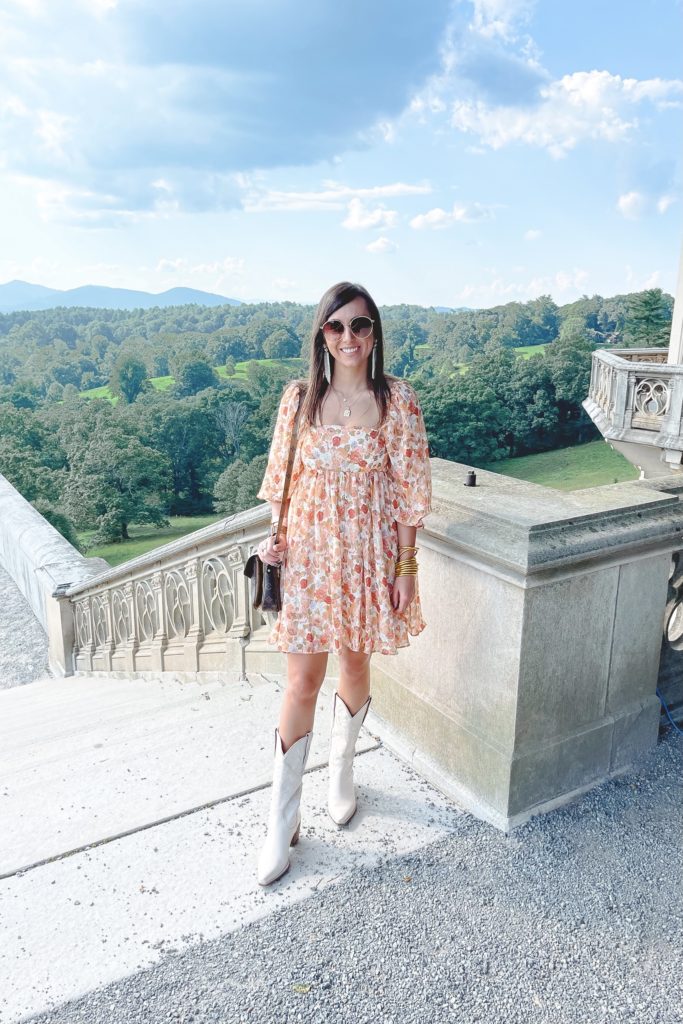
(87, 651)
(195, 634)
(109, 644)
(241, 623)
(160, 642)
(133, 640)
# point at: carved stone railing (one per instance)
(636, 401)
(181, 608)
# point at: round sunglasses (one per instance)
(360, 327)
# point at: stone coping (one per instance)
(530, 528)
(250, 522)
(620, 362)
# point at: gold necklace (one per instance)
(348, 406)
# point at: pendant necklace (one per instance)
(348, 406)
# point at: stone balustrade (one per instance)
(636, 401)
(181, 608)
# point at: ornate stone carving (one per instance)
(82, 625)
(178, 604)
(120, 611)
(217, 595)
(145, 609)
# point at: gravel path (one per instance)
(575, 917)
(23, 644)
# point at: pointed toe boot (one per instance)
(341, 801)
(284, 820)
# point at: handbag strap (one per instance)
(290, 457)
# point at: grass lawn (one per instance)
(529, 350)
(101, 392)
(161, 383)
(567, 469)
(144, 538)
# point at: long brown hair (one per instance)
(316, 386)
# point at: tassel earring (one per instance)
(326, 361)
(373, 365)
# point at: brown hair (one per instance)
(316, 386)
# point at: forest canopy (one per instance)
(113, 417)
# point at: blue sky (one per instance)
(460, 153)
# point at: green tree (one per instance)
(281, 344)
(194, 376)
(227, 487)
(129, 377)
(59, 520)
(116, 481)
(648, 320)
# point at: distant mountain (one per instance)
(20, 295)
(451, 309)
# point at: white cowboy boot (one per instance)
(284, 821)
(341, 801)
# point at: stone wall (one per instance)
(39, 560)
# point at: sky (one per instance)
(442, 152)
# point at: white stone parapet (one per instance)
(636, 402)
(180, 608)
(40, 560)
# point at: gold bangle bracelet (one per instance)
(405, 569)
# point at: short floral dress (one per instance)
(349, 488)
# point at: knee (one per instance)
(354, 665)
(303, 686)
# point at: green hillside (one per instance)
(568, 469)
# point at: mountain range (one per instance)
(21, 295)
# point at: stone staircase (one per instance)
(133, 810)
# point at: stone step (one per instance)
(87, 759)
(143, 805)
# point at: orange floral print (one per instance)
(349, 488)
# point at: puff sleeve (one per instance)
(274, 478)
(408, 451)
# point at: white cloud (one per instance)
(563, 284)
(580, 106)
(500, 17)
(634, 205)
(230, 266)
(333, 196)
(631, 205)
(381, 245)
(461, 213)
(532, 235)
(361, 217)
(664, 202)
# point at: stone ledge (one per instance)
(531, 529)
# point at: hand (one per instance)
(402, 592)
(271, 552)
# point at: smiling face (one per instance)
(347, 349)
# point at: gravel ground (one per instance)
(23, 644)
(575, 917)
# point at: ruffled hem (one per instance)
(370, 645)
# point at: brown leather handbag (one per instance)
(266, 588)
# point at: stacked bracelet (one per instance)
(406, 564)
(406, 567)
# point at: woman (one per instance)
(360, 487)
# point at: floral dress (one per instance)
(349, 488)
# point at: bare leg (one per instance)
(354, 678)
(305, 675)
